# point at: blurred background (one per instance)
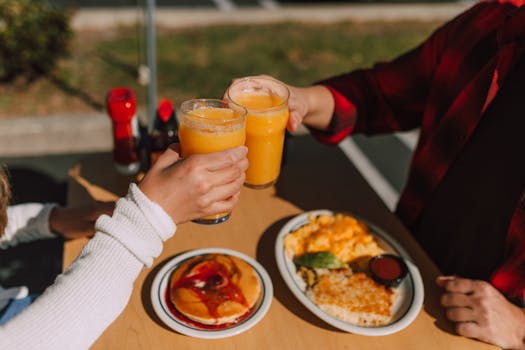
(59, 59)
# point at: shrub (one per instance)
(33, 37)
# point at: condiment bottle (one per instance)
(122, 106)
(164, 131)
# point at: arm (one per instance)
(33, 221)
(25, 223)
(94, 290)
(389, 97)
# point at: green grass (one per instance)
(200, 62)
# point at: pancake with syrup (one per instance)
(214, 289)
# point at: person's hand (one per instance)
(76, 222)
(313, 105)
(196, 186)
(481, 312)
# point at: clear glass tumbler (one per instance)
(210, 125)
(267, 103)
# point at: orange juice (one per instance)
(265, 128)
(207, 126)
(211, 137)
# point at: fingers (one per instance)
(214, 161)
(455, 300)
(456, 284)
(469, 330)
(221, 193)
(224, 206)
(293, 123)
(229, 174)
(220, 160)
(461, 314)
(461, 305)
(211, 186)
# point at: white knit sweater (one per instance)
(93, 291)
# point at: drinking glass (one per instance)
(267, 103)
(210, 125)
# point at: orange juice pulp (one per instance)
(264, 136)
(215, 137)
(212, 138)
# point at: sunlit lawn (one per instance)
(201, 62)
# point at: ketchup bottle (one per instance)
(122, 106)
(164, 131)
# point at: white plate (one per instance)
(411, 289)
(161, 282)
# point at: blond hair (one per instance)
(5, 196)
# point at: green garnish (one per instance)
(319, 260)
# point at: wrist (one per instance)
(320, 107)
(55, 220)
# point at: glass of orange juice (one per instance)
(209, 125)
(267, 103)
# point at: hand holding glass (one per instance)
(209, 125)
(267, 103)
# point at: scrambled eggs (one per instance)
(343, 235)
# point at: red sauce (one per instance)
(174, 312)
(125, 150)
(386, 268)
(211, 282)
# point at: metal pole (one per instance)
(151, 42)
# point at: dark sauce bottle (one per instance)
(165, 130)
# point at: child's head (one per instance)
(5, 196)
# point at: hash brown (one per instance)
(353, 297)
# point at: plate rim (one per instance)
(158, 304)
(417, 282)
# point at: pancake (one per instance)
(214, 289)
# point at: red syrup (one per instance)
(175, 313)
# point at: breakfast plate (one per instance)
(166, 311)
(411, 292)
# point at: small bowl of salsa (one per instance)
(387, 269)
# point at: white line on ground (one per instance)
(269, 4)
(225, 5)
(175, 17)
(408, 138)
(378, 182)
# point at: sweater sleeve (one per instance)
(25, 223)
(95, 288)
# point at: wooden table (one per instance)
(313, 177)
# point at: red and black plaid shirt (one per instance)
(443, 88)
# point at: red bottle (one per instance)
(122, 106)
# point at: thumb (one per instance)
(292, 123)
(170, 156)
